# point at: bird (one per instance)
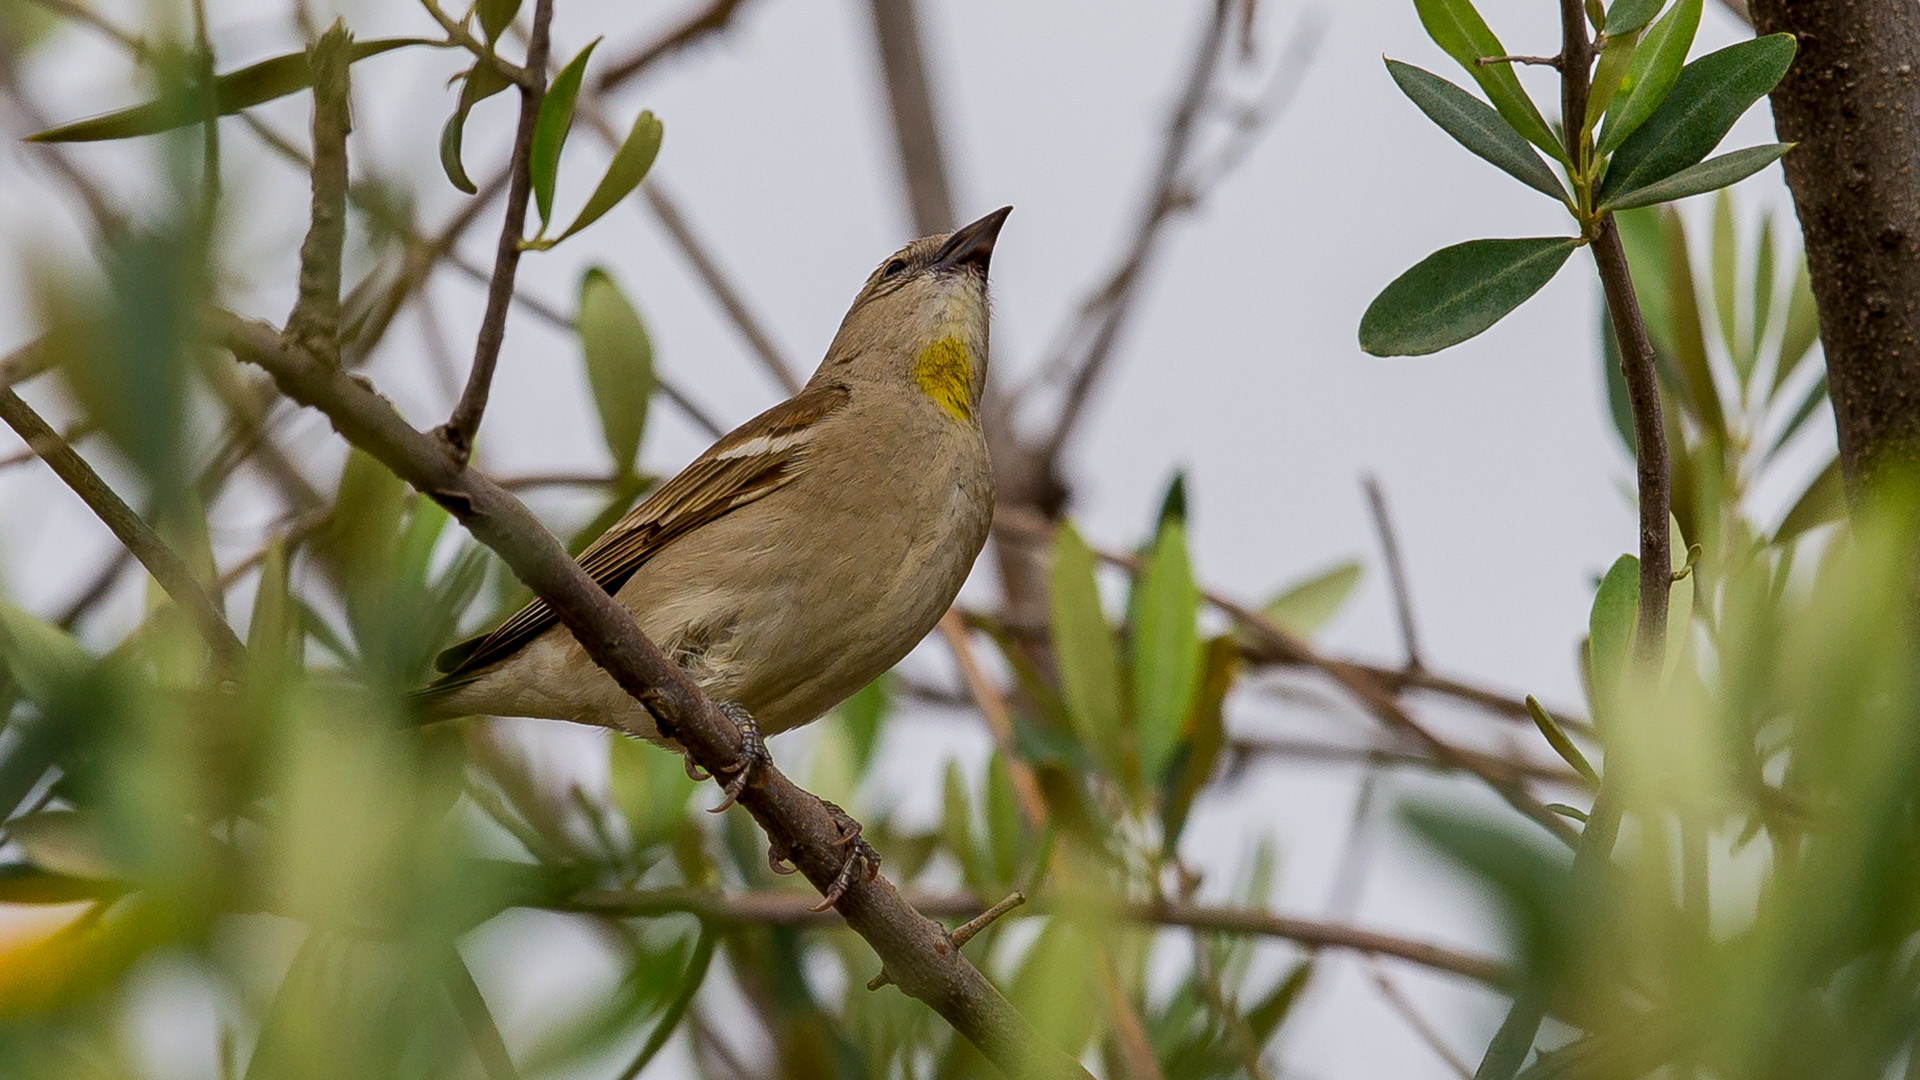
(805, 552)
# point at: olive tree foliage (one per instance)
(1711, 870)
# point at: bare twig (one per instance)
(999, 717)
(315, 319)
(1396, 570)
(705, 22)
(965, 932)
(134, 533)
(1131, 1035)
(458, 432)
(722, 291)
(1395, 997)
(791, 908)
(923, 165)
(1381, 757)
(1539, 61)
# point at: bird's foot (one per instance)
(753, 754)
(861, 860)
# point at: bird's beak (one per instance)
(972, 245)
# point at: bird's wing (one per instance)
(758, 457)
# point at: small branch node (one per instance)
(963, 933)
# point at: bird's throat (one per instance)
(944, 372)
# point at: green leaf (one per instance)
(1305, 606)
(619, 359)
(1710, 94)
(480, 82)
(1823, 501)
(1610, 74)
(956, 826)
(1689, 340)
(1724, 251)
(1763, 289)
(273, 633)
(1610, 631)
(550, 130)
(1084, 649)
(496, 16)
(241, 89)
(1006, 832)
(1816, 396)
(1556, 738)
(1458, 29)
(40, 657)
(1656, 64)
(1173, 503)
(1626, 16)
(1166, 649)
(68, 842)
(1459, 291)
(1709, 175)
(1802, 329)
(1476, 126)
(1267, 1014)
(624, 173)
(1201, 739)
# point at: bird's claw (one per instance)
(777, 861)
(862, 860)
(694, 772)
(753, 754)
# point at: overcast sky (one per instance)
(1240, 367)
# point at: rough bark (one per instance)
(1852, 103)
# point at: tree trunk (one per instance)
(1852, 103)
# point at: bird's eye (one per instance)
(894, 268)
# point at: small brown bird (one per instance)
(808, 550)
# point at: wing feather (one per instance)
(760, 456)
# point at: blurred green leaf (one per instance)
(1610, 630)
(1619, 404)
(1802, 329)
(1725, 252)
(1266, 1015)
(1085, 652)
(550, 128)
(1656, 64)
(624, 173)
(40, 657)
(480, 82)
(1458, 29)
(861, 714)
(1610, 73)
(21, 883)
(1166, 649)
(1815, 397)
(246, 87)
(1476, 126)
(1689, 332)
(1459, 291)
(956, 828)
(1173, 502)
(1529, 879)
(65, 842)
(1763, 289)
(1625, 16)
(496, 16)
(1824, 500)
(273, 632)
(1057, 986)
(1307, 605)
(1710, 94)
(1201, 739)
(649, 788)
(1006, 829)
(1709, 175)
(619, 360)
(1556, 738)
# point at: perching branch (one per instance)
(138, 537)
(459, 430)
(315, 319)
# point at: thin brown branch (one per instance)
(315, 319)
(744, 321)
(459, 430)
(1538, 61)
(1396, 570)
(1131, 1035)
(790, 908)
(999, 717)
(705, 22)
(530, 77)
(1380, 757)
(916, 130)
(128, 527)
(1390, 991)
(912, 947)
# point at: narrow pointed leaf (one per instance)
(497, 15)
(1557, 738)
(1763, 289)
(550, 130)
(236, 90)
(1724, 241)
(1476, 126)
(624, 173)
(481, 82)
(1610, 630)
(1709, 175)
(1710, 94)
(1816, 396)
(1656, 63)
(1802, 330)
(1459, 30)
(1610, 74)
(1689, 331)
(1166, 648)
(1823, 501)
(1459, 291)
(1626, 16)
(619, 359)
(1305, 606)
(1084, 649)
(38, 656)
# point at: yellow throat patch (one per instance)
(944, 373)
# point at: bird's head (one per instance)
(922, 318)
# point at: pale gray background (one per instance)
(1504, 476)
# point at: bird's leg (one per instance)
(861, 861)
(753, 753)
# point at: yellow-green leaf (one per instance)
(619, 361)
